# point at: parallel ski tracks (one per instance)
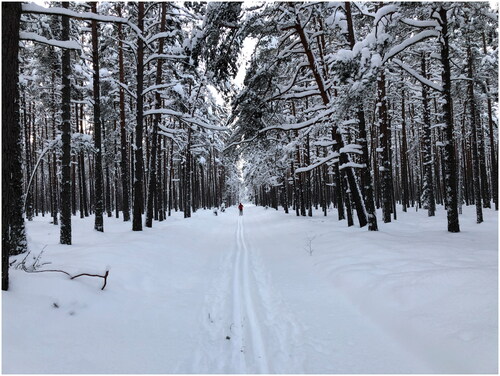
(250, 342)
(246, 328)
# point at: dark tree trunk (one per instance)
(366, 178)
(152, 188)
(308, 177)
(338, 186)
(99, 204)
(13, 232)
(27, 150)
(54, 182)
(384, 135)
(404, 157)
(450, 176)
(493, 155)
(73, 185)
(345, 186)
(474, 132)
(139, 168)
(81, 167)
(108, 192)
(115, 175)
(124, 165)
(187, 178)
(430, 201)
(65, 236)
(81, 175)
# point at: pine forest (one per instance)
(228, 165)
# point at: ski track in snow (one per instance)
(245, 322)
(232, 295)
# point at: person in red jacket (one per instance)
(240, 206)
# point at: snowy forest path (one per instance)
(267, 292)
(246, 326)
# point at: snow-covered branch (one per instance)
(289, 127)
(164, 56)
(67, 44)
(186, 118)
(418, 76)
(423, 35)
(419, 23)
(89, 16)
(57, 11)
(333, 156)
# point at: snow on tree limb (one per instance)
(157, 87)
(37, 9)
(419, 23)
(164, 56)
(299, 94)
(331, 157)
(353, 165)
(186, 118)
(164, 111)
(236, 143)
(301, 125)
(196, 121)
(352, 148)
(125, 87)
(58, 11)
(287, 88)
(423, 35)
(418, 76)
(385, 11)
(70, 45)
(166, 34)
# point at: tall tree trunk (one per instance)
(54, 182)
(81, 164)
(125, 176)
(474, 131)
(366, 177)
(139, 168)
(160, 186)
(493, 158)
(13, 231)
(404, 157)
(152, 188)
(27, 150)
(384, 135)
(187, 178)
(308, 178)
(65, 236)
(99, 204)
(430, 201)
(450, 176)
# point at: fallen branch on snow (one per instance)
(32, 269)
(105, 276)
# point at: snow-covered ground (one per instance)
(262, 293)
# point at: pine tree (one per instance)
(13, 231)
(139, 163)
(66, 188)
(450, 176)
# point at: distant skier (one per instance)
(240, 206)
